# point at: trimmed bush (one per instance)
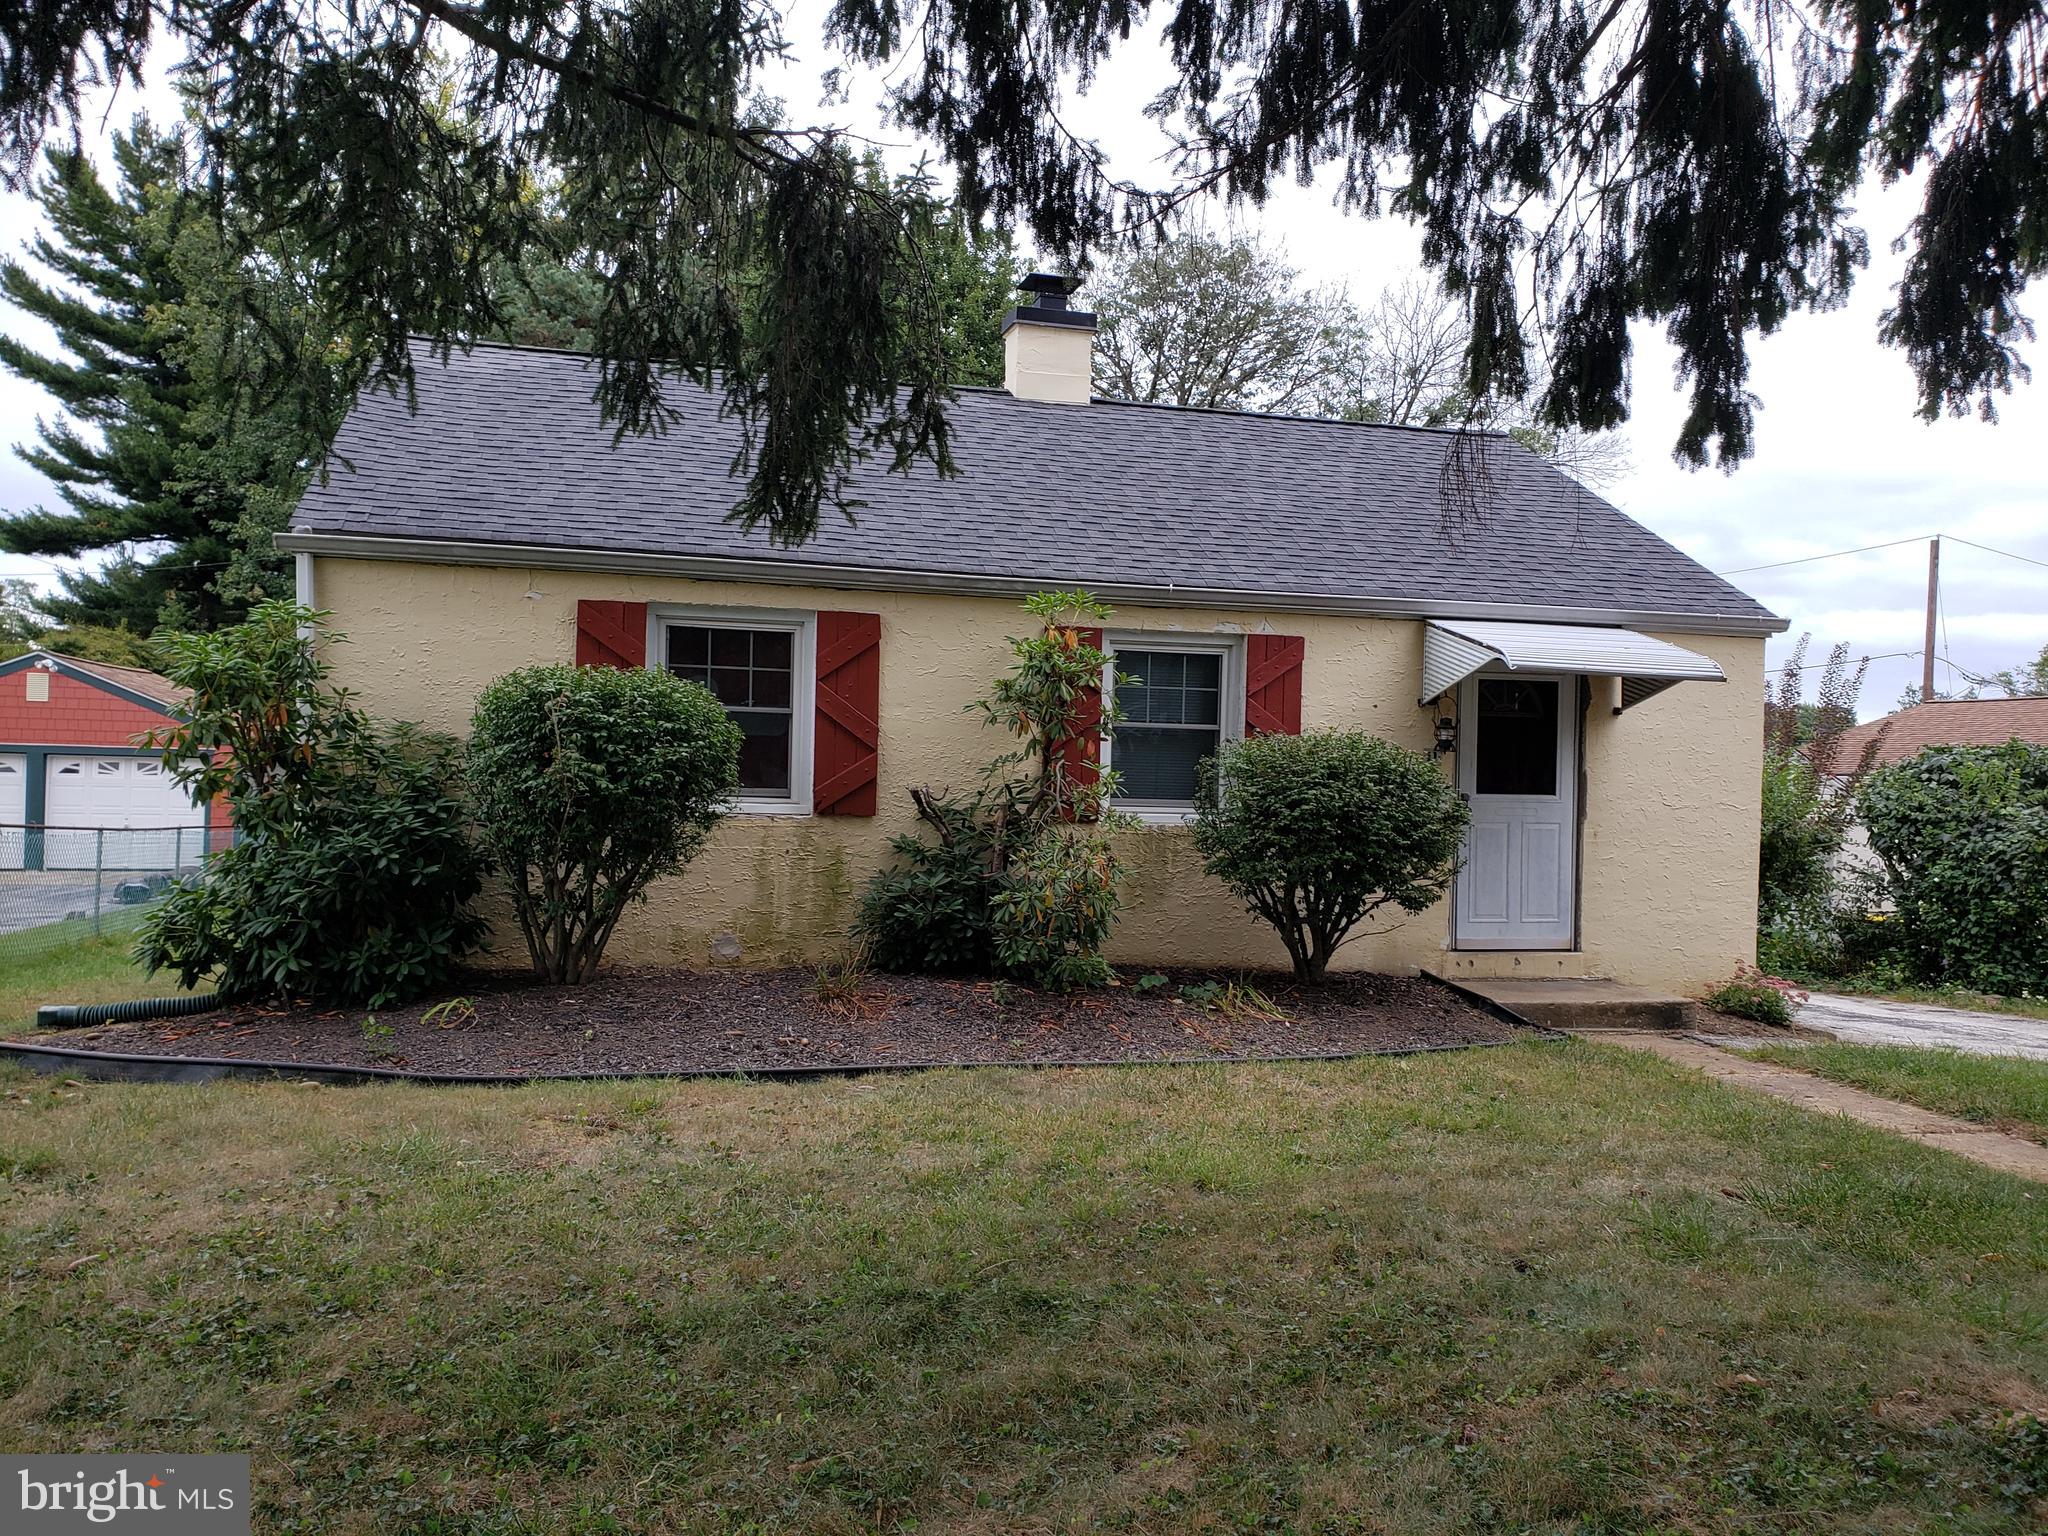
(1962, 833)
(590, 784)
(1316, 833)
(352, 877)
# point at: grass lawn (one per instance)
(2006, 1091)
(84, 970)
(1553, 1287)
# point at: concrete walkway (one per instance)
(1994, 1149)
(1873, 1021)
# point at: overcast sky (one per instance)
(1841, 460)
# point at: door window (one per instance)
(1518, 726)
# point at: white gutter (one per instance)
(357, 546)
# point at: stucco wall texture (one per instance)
(1668, 876)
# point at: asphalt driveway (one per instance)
(1872, 1021)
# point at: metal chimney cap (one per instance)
(1049, 282)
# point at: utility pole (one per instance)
(1933, 590)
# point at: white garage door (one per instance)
(13, 808)
(149, 823)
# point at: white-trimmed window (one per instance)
(760, 665)
(1186, 699)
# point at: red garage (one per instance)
(76, 789)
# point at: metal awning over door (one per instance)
(1454, 649)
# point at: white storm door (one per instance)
(13, 808)
(1518, 769)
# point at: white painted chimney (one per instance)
(1049, 349)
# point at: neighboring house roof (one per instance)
(147, 686)
(1946, 723)
(136, 679)
(1142, 503)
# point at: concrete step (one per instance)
(1588, 1002)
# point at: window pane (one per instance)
(772, 648)
(764, 751)
(1174, 687)
(730, 686)
(771, 689)
(1517, 745)
(730, 647)
(1159, 765)
(688, 646)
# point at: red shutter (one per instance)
(846, 740)
(1272, 685)
(611, 634)
(1082, 750)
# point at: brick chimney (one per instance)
(1049, 349)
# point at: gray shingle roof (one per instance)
(507, 448)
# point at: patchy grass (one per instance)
(84, 970)
(1555, 1287)
(2010, 1092)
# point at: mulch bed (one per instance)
(660, 1020)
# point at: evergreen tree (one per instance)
(1692, 164)
(176, 454)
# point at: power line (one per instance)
(1833, 554)
(2029, 559)
(1864, 549)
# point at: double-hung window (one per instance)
(1177, 708)
(759, 671)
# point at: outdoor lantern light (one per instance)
(1446, 736)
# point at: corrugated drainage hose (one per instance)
(85, 1015)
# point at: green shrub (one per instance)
(590, 784)
(351, 880)
(1802, 832)
(1962, 833)
(1022, 878)
(932, 912)
(1316, 833)
(1750, 994)
(1055, 908)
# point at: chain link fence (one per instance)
(60, 886)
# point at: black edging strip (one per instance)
(130, 1067)
(1499, 1010)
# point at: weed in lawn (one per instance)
(2020, 1456)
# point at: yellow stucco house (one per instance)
(1596, 693)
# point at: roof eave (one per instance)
(784, 572)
